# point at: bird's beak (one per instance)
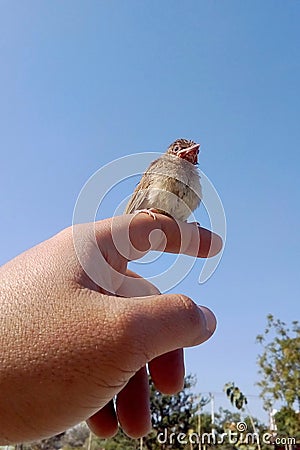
(190, 153)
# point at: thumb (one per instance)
(158, 324)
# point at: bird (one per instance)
(171, 184)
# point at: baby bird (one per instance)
(171, 184)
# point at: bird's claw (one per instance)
(196, 223)
(151, 212)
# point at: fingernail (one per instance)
(210, 319)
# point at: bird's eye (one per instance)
(176, 148)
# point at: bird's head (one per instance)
(186, 149)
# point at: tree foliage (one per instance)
(288, 422)
(236, 397)
(171, 413)
(279, 364)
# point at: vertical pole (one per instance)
(199, 425)
(90, 441)
(212, 405)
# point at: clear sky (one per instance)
(84, 83)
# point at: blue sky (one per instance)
(84, 83)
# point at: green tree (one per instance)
(171, 413)
(225, 416)
(227, 420)
(239, 400)
(288, 422)
(279, 364)
(236, 397)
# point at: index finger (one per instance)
(143, 233)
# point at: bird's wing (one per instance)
(139, 196)
(139, 199)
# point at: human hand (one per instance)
(70, 346)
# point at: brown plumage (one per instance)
(171, 184)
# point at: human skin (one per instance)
(70, 346)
